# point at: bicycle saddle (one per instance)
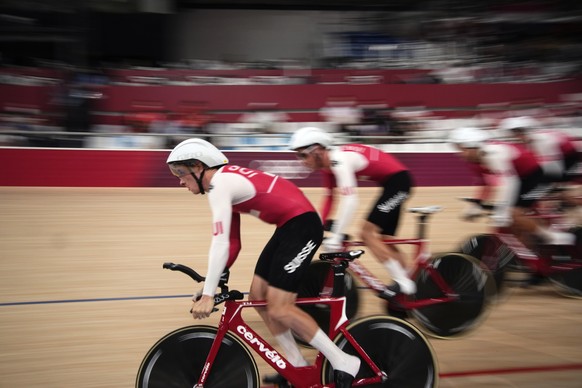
(347, 255)
(425, 209)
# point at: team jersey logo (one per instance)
(393, 202)
(300, 258)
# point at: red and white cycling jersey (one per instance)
(508, 159)
(551, 148)
(235, 190)
(350, 163)
(353, 162)
(509, 163)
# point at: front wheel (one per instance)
(472, 286)
(494, 254)
(399, 349)
(176, 361)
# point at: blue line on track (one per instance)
(92, 300)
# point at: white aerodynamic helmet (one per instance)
(307, 136)
(468, 137)
(197, 149)
(523, 122)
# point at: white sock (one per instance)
(400, 276)
(290, 348)
(555, 237)
(338, 359)
(564, 238)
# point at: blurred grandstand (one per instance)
(147, 73)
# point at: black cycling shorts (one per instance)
(285, 258)
(386, 212)
(572, 167)
(532, 188)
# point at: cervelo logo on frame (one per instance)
(271, 354)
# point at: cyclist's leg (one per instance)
(318, 281)
(282, 265)
(371, 235)
(283, 335)
(283, 311)
(391, 258)
(532, 189)
(382, 223)
(277, 253)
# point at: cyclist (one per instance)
(233, 190)
(556, 151)
(558, 155)
(342, 167)
(520, 182)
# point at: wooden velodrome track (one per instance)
(83, 295)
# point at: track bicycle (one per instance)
(454, 290)
(508, 256)
(393, 352)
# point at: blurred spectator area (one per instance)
(261, 102)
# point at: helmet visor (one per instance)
(179, 170)
(305, 152)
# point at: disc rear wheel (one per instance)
(399, 349)
(472, 286)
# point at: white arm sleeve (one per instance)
(498, 159)
(546, 147)
(344, 167)
(226, 190)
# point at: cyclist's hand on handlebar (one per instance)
(332, 244)
(202, 307)
(197, 295)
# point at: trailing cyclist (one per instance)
(518, 179)
(342, 167)
(556, 151)
(558, 155)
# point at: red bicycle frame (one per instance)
(541, 265)
(307, 376)
(421, 256)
